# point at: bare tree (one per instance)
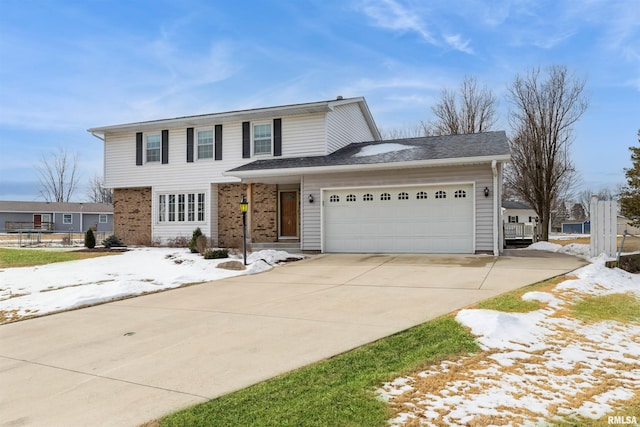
(584, 197)
(471, 110)
(542, 118)
(408, 131)
(98, 193)
(58, 175)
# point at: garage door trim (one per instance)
(403, 185)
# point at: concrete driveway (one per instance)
(127, 362)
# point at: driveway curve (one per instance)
(127, 362)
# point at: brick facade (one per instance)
(229, 219)
(132, 215)
(264, 213)
(262, 221)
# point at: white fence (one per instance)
(603, 227)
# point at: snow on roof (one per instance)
(374, 150)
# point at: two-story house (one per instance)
(315, 173)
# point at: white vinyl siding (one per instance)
(346, 124)
(480, 175)
(304, 135)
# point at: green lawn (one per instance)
(31, 257)
(334, 392)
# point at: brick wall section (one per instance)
(229, 218)
(264, 213)
(262, 225)
(132, 215)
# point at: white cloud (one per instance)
(456, 42)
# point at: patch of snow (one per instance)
(540, 365)
(60, 286)
(374, 150)
(545, 246)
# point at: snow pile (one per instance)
(374, 150)
(54, 287)
(577, 249)
(536, 366)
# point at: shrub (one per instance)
(89, 239)
(178, 242)
(201, 244)
(216, 253)
(194, 239)
(111, 241)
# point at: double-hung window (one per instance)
(154, 143)
(205, 144)
(262, 138)
(67, 219)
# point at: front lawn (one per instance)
(30, 257)
(336, 392)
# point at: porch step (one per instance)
(291, 247)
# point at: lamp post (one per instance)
(244, 206)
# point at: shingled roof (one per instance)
(470, 148)
(47, 207)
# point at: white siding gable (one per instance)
(346, 124)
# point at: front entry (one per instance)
(289, 214)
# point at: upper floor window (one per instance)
(154, 143)
(262, 138)
(205, 144)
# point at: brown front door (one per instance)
(37, 221)
(289, 214)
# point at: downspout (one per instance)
(496, 207)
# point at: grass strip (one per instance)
(337, 391)
(30, 257)
(621, 307)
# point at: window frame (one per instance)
(101, 216)
(181, 207)
(198, 145)
(158, 148)
(254, 125)
(68, 221)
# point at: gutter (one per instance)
(496, 200)
(97, 136)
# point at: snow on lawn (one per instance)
(38, 290)
(534, 366)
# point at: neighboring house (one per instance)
(515, 212)
(576, 227)
(315, 174)
(55, 217)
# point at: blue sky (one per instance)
(66, 66)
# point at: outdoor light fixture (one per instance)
(244, 207)
(486, 191)
(310, 198)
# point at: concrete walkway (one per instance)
(127, 362)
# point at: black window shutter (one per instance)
(218, 142)
(189, 145)
(139, 148)
(165, 146)
(277, 137)
(246, 140)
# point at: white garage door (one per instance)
(409, 219)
